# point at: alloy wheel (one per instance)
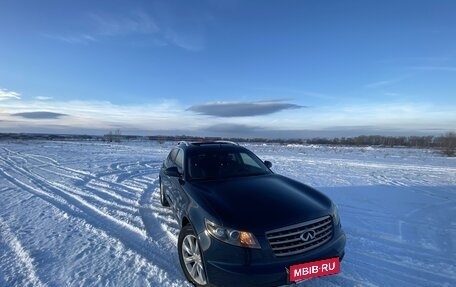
(192, 259)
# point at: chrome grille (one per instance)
(287, 241)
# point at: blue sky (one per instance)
(228, 68)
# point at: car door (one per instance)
(168, 180)
(179, 195)
(176, 182)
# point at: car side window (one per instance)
(248, 160)
(180, 160)
(171, 157)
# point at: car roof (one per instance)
(209, 145)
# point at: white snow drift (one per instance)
(88, 214)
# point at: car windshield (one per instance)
(216, 164)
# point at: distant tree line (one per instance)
(51, 137)
(111, 136)
(376, 140)
(445, 143)
(448, 144)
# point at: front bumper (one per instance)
(228, 265)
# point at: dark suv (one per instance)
(241, 224)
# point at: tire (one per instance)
(163, 200)
(190, 257)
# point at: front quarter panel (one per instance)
(194, 209)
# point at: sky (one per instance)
(228, 68)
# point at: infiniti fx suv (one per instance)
(242, 224)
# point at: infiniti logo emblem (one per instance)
(307, 235)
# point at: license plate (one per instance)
(314, 269)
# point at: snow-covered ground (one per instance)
(88, 214)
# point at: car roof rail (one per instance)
(227, 142)
(213, 142)
(183, 142)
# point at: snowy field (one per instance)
(88, 214)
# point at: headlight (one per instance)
(232, 236)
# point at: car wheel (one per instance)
(190, 257)
(163, 200)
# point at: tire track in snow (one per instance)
(380, 247)
(24, 262)
(58, 189)
(101, 195)
(5, 188)
(404, 264)
(399, 274)
(339, 280)
(153, 216)
(77, 195)
(387, 181)
(135, 172)
(100, 189)
(405, 272)
(34, 156)
(131, 237)
(126, 191)
(373, 241)
(98, 195)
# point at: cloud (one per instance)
(42, 98)
(39, 115)
(155, 29)
(384, 83)
(191, 40)
(170, 117)
(380, 84)
(134, 23)
(7, 95)
(109, 25)
(242, 109)
(99, 115)
(391, 94)
(81, 38)
(388, 82)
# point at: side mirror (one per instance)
(268, 164)
(172, 171)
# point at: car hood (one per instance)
(261, 203)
